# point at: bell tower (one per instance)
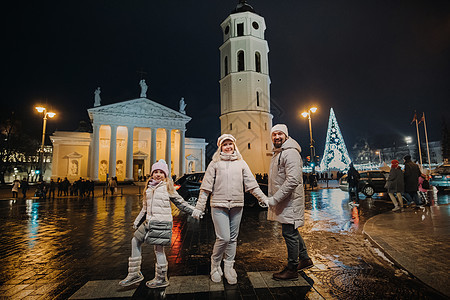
(245, 86)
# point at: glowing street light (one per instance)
(408, 141)
(43, 110)
(307, 114)
(379, 155)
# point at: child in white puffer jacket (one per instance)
(157, 228)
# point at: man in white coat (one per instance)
(287, 200)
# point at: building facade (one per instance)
(245, 86)
(127, 138)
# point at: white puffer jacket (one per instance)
(225, 180)
(286, 185)
(157, 205)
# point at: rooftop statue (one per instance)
(143, 88)
(182, 106)
(97, 98)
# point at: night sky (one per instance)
(374, 62)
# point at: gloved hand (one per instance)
(271, 201)
(135, 226)
(197, 214)
(265, 200)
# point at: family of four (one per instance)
(225, 180)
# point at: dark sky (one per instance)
(374, 62)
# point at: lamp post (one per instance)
(379, 155)
(408, 141)
(311, 141)
(43, 110)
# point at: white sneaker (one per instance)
(396, 208)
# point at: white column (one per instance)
(112, 152)
(55, 159)
(168, 149)
(153, 147)
(129, 164)
(96, 147)
(182, 158)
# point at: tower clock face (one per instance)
(227, 29)
(255, 25)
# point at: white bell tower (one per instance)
(245, 86)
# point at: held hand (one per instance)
(265, 200)
(197, 214)
(134, 226)
(271, 201)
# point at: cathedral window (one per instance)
(267, 147)
(249, 125)
(258, 62)
(225, 65)
(248, 145)
(231, 126)
(265, 126)
(240, 29)
(257, 98)
(240, 62)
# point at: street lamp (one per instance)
(311, 141)
(408, 141)
(43, 110)
(379, 155)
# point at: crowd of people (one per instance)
(61, 187)
(409, 184)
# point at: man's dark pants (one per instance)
(295, 245)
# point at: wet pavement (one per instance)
(78, 248)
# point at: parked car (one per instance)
(188, 186)
(371, 182)
(440, 177)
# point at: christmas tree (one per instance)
(335, 156)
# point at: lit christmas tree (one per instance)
(335, 156)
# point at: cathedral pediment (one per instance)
(141, 108)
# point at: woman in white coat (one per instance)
(225, 179)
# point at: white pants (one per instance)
(136, 247)
(226, 224)
(399, 197)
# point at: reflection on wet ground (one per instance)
(51, 248)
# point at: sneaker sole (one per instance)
(131, 283)
(156, 287)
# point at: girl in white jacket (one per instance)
(225, 179)
(157, 228)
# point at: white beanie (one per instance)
(161, 165)
(225, 137)
(280, 127)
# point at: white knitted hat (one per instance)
(280, 127)
(225, 137)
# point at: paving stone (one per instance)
(265, 280)
(192, 284)
(103, 289)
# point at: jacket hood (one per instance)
(290, 143)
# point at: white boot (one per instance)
(160, 279)
(229, 272)
(216, 271)
(134, 272)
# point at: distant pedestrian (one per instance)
(287, 200)
(424, 185)
(411, 175)
(353, 183)
(157, 228)
(112, 185)
(226, 179)
(24, 187)
(65, 186)
(59, 185)
(15, 188)
(52, 188)
(395, 185)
